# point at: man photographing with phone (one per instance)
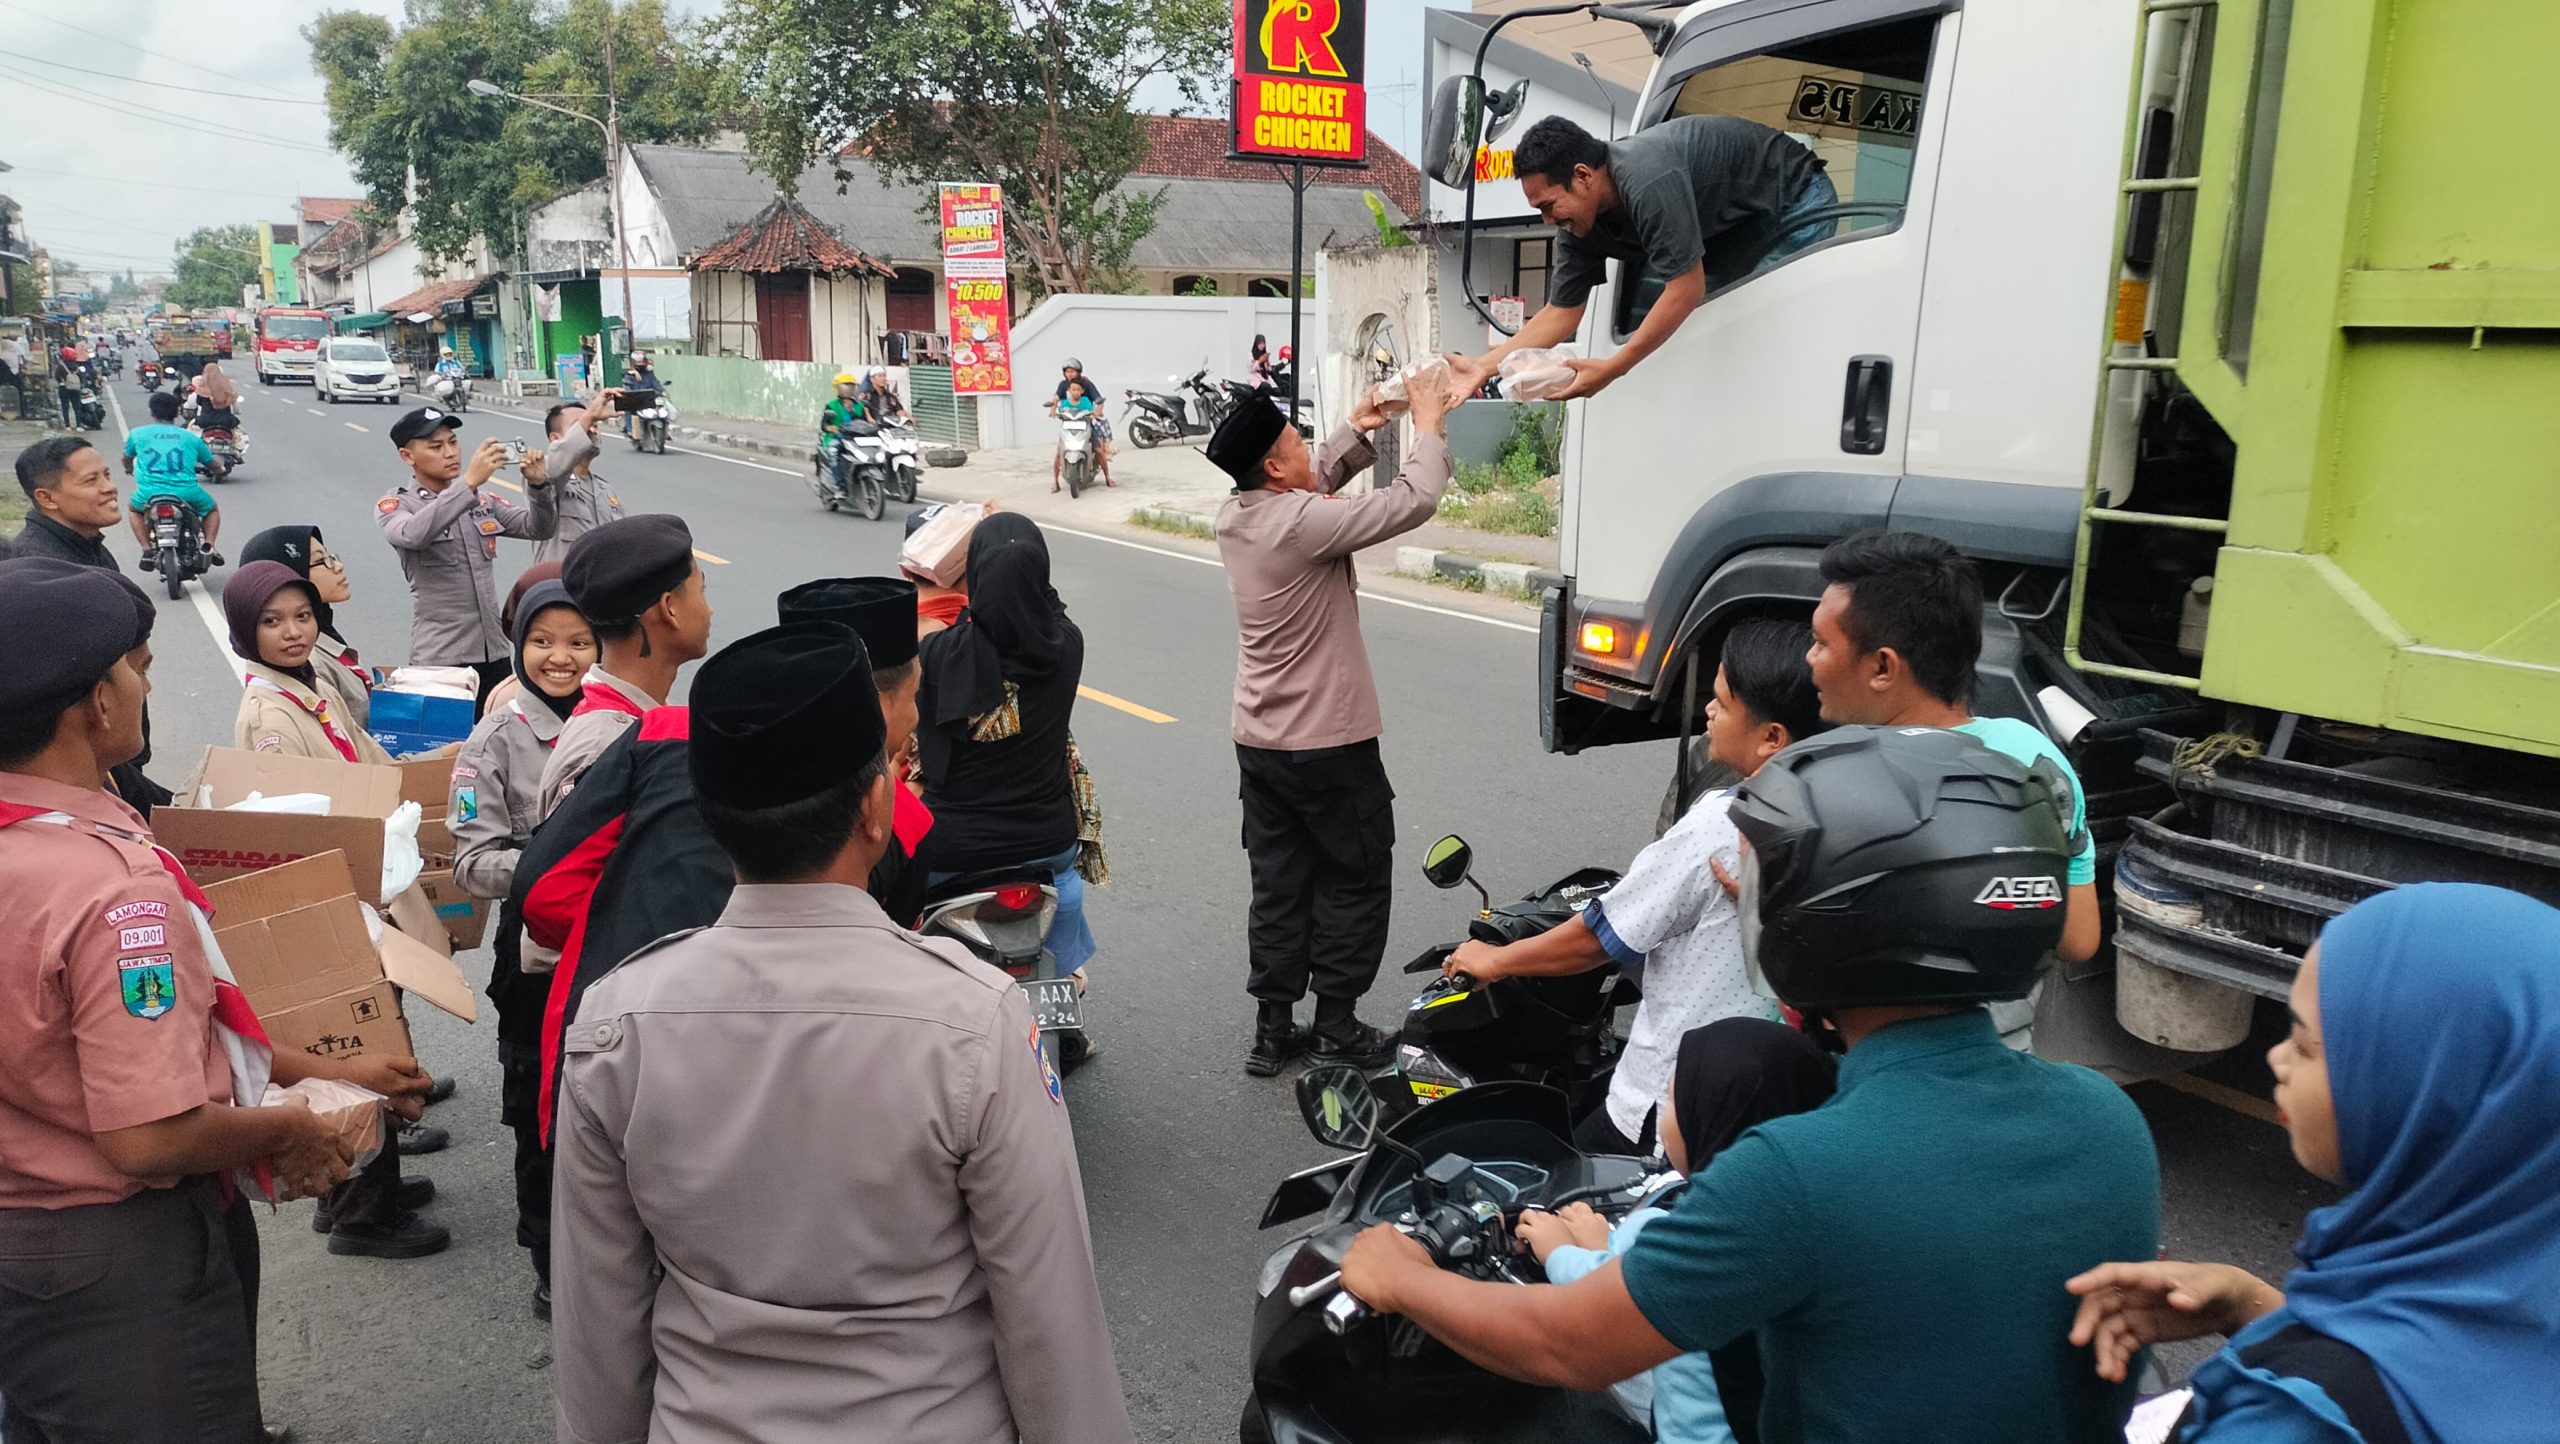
(585, 500)
(447, 537)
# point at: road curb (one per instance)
(1437, 564)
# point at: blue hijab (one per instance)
(2440, 1011)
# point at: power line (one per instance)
(155, 185)
(162, 84)
(136, 111)
(129, 45)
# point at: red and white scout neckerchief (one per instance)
(235, 1023)
(604, 697)
(319, 710)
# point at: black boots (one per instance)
(1340, 1037)
(1277, 1038)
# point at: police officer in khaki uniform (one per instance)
(447, 536)
(586, 500)
(128, 1257)
(813, 1181)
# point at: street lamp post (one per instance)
(611, 125)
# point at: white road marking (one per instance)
(316, 411)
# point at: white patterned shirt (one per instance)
(1670, 908)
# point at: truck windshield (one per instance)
(296, 328)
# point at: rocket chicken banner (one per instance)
(1299, 92)
(973, 273)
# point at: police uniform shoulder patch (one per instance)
(387, 505)
(149, 984)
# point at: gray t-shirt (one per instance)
(1697, 187)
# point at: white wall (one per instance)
(1132, 343)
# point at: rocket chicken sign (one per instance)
(973, 273)
(1298, 81)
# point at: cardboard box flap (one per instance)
(276, 889)
(427, 973)
(428, 782)
(354, 789)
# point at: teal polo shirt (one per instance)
(1901, 1250)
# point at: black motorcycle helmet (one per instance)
(1899, 866)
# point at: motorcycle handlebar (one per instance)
(1431, 959)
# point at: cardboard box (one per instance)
(214, 844)
(407, 722)
(465, 918)
(297, 939)
(413, 914)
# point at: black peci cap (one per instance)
(421, 421)
(73, 624)
(622, 568)
(1243, 439)
(782, 715)
(880, 610)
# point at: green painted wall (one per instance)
(789, 392)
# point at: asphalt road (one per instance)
(1179, 1147)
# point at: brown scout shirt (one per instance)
(1302, 670)
(106, 999)
(813, 1184)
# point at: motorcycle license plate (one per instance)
(1055, 1006)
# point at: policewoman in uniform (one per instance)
(813, 1181)
(128, 1261)
(446, 528)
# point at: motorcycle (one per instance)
(90, 411)
(1192, 408)
(859, 477)
(649, 425)
(451, 392)
(177, 545)
(906, 467)
(1454, 1176)
(1075, 452)
(150, 375)
(230, 450)
(1553, 1031)
(1003, 917)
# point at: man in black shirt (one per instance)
(1691, 204)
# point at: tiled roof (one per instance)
(1195, 147)
(325, 211)
(433, 295)
(785, 237)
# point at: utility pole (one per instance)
(613, 180)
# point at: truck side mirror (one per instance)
(1457, 119)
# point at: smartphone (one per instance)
(515, 452)
(635, 401)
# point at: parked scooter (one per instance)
(1192, 409)
(1554, 1031)
(1003, 917)
(177, 545)
(1454, 1176)
(855, 473)
(89, 410)
(1075, 452)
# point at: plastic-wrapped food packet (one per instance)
(1538, 373)
(1394, 393)
(355, 1112)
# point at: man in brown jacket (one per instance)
(814, 1181)
(1319, 815)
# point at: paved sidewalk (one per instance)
(1171, 481)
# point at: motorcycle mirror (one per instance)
(1445, 865)
(1340, 1109)
(1449, 143)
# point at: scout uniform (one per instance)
(125, 1308)
(881, 611)
(740, 1256)
(614, 574)
(280, 713)
(448, 545)
(586, 501)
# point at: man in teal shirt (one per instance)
(164, 459)
(1899, 1252)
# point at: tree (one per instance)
(1034, 95)
(467, 167)
(213, 265)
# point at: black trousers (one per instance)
(371, 1195)
(131, 1322)
(1320, 834)
(519, 1102)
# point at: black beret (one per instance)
(421, 421)
(1244, 438)
(783, 715)
(622, 568)
(880, 610)
(72, 623)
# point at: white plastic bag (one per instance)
(356, 1112)
(939, 549)
(455, 682)
(401, 860)
(306, 804)
(1395, 393)
(1538, 373)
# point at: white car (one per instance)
(352, 368)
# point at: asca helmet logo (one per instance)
(2012, 893)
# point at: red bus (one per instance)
(289, 340)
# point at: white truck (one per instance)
(2229, 362)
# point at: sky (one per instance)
(113, 166)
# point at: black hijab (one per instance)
(1737, 1073)
(291, 545)
(541, 597)
(1015, 629)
